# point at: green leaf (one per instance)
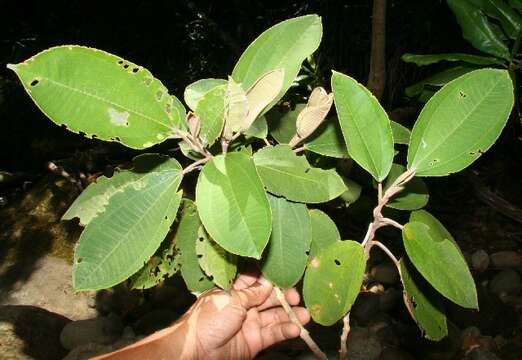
(116, 243)
(401, 134)
(259, 129)
(327, 140)
(353, 192)
(422, 60)
(286, 255)
(477, 29)
(218, 264)
(285, 174)
(195, 91)
(233, 205)
(324, 232)
(424, 304)
(282, 124)
(236, 108)
(509, 19)
(460, 122)
(211, 110)
(437, 80)
(101, 95)
(414, 196)
(164, 264)
(186, 235)
(283, 46)
(365, 125)
(333, 280)
(435, 254)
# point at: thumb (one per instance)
(255, 294)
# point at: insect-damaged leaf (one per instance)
(285, 174)
(101, 95)
(195, 91)
(333, 280)
(324, 232)
(286, 255)
(211, 112)
(460, 122)
(94, 199)
(236, 108)
(186, 236)
(435, 254)
(233, 205)
(365, 125)
(116, 243)
(218, 264)
(283, 46)
(165, 263)
(262, 93)
(423, 302)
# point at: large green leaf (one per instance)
(424, 303)
(324, 232)
(365, 125)
(327, 140)
(259, 129)
(286, 174)
(195, 91)
(333, 280)
(286, 255)
(353, 192)
(283, 46)
(101, 95)
(414, 195)
(401, 134)
(509, 19)
(422, 60)
(435, 81)
(218, 264)
(282, 124)
(186, 235)
(477, 29)
(116, 243)
(233, 205)
(436, 255)
(460, 122)
(211, 112)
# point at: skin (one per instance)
(220, 325)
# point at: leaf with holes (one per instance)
(460, 122)
(186, 236)
(414, 196)
(436, 255)
(116, 243)
(197, 90)
(101, 95)
(93, 200)
(285, 174)
(218, 264)
(233, 205)
(333, 280)
(285, 257)
(423, 302)
(401, 134)
(283, 46)
(365, 125)
(324, 232)
(164, 264)
(211, 112)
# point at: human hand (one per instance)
(240, 324)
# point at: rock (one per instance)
(506, 282)
(28, 332)
(362, 345)
(506, 259)
(385, 273)
(102, 330)
(480, 260)
(48, 286)
(389, 299)
(154, 321)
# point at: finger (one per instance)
(246, 279)
(274, 334)
(291, 295)
(253, 295)
(278, 315)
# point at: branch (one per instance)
(305, 335)
(387, 251)
(377, 75)
(343, 353)
(195, 165)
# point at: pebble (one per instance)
(506, 259)
(102, 331)
(506, 282)
(480, 260)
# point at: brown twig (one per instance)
(343, 353)
(195, 165)
(377, 75)
(305, 335)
